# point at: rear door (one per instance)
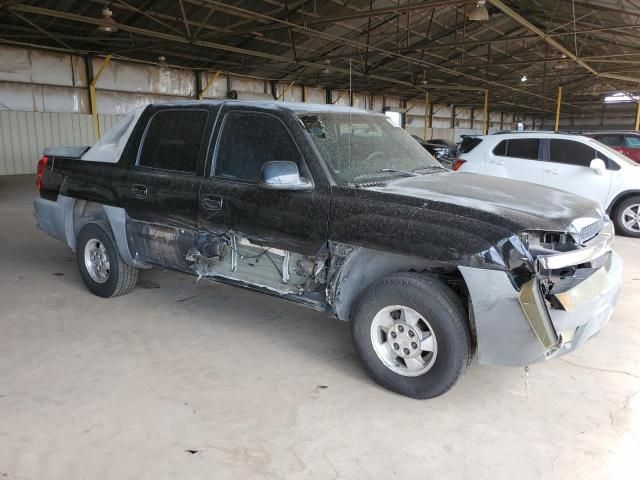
(566, 167)
(516, 158)
(161, 197)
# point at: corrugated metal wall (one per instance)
(24, 135)
(44, 101)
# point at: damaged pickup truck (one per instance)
(338, 210)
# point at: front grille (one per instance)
(590, 231)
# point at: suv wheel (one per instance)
(627, 217)
(411, 334)
(102, 268)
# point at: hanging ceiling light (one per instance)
(479, 13)
(523, 78)
(107, 23)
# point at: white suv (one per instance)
(574, 163)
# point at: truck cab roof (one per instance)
(293, 106)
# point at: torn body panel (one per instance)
(229, 256)
(509, 327)
(237, 258)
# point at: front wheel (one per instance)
(102, 268)
(411, 334)
(627, 217)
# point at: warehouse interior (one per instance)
(151, 385)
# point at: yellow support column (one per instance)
(285, 91)
(558, 108)
(209, 83)
(638, 117)
(92, 97)
(340, 96)
(485, 126)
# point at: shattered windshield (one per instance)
(361, 148)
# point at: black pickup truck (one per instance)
(338, 210)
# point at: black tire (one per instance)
(621, 229)
(440, 306)
(121, 277)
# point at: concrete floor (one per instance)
(179, 380)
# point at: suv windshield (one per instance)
(361, 148)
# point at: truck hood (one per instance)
(509, 204)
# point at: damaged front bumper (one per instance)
(520, 327)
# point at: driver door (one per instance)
(232, 200)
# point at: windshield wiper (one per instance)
(429, 167)
(393, 170)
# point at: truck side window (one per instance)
(571, 152)
(173, 139)
(249, 140)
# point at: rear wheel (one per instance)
(627, 217)
(411, 334)
(102, 268)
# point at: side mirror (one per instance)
(279, 175)
(598, 165)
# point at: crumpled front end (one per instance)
(567, 300)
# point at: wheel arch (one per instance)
(363, 266)
(83, 212)
(621, 197)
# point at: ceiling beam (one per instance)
(200, 43)
(40, 29)
(352, 16)
(531, 27)
(478, 82)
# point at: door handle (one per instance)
(139, 191)
(553, 171)
(211, 202)
(499, 163)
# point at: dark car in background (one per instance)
(627, 143)
(443, 150)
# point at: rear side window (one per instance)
(468, 144)
(501, 149)
(526, 148)
(173, 140)
(631, 141)
(248, 141)
(610, 140)
(571, 152)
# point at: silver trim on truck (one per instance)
(594, 248)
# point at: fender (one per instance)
(358, 267)
(353, 269)
(620, 197)
(72, 214)
(117, 218)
